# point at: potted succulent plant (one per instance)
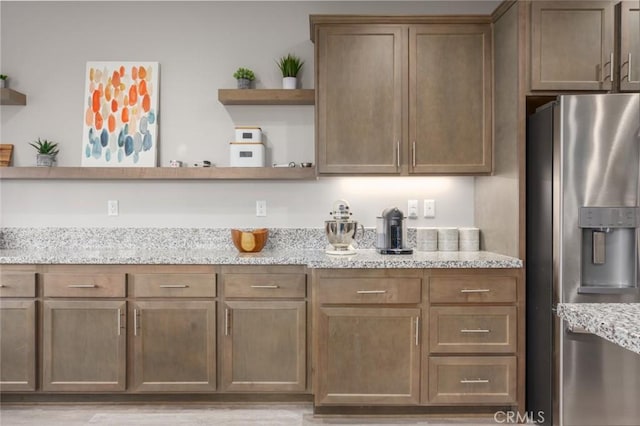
(46, 152)
(244, 76)
(3, 81)
(289, 65)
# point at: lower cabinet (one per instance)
(367, 339)
(264, 346)
(17, 345)
(264, 335)
(368, 356)
(84, 345)
(174, 346)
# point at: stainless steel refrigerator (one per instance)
(583, 157)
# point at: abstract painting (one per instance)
(120, 114)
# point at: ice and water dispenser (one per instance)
(609, 249)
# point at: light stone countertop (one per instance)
(313, 258)
(617, 322)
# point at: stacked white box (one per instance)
(248, 134)
(427, 239)
(469, 239)
(448, 239)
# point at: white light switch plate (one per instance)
(261, 208)
(112, 208)
(412, 208)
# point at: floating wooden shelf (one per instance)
(266, 96)
(159, 173)
(11, 97)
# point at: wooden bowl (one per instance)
(250, 241)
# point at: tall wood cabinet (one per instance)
(264, 336)
(174, 331)
(17, 331)
(591, 45)
(398, 96)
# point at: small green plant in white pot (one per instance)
(3, 81)
(290, 66)
(46, 152)
(244, 76)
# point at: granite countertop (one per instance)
(617, 322)
(313, 258)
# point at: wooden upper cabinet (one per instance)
(359, 98)
(450, 76)
(629, 58)
(572, 45)
(403, 95)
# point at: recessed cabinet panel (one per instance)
(264, 346)
(84, 345)
(359, 105)
(368, 356)
(450, 99)
(572, 45)
(629, 46)
(174, 346)
(17, 345)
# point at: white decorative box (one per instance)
(246, 154)
(248, 134)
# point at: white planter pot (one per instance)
(289, 82)
(2, 84)
(45, 160)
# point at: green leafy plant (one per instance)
(3, 77)
(290, 65)
(45, 147)
(245, 73)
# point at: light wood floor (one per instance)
(200, 414)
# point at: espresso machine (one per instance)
(391, 230)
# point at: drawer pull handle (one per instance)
(265, 286)
(371, 291)
(475, 290)
(464, 330)
(465, 381)
(82, 286)
(173, 286)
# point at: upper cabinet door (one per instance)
(572, 45)
(360, 97)
(450, 75)
(629, 46)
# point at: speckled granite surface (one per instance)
(617, 322)
(213, 246)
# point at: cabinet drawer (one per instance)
(472, 289)
(472, 329)
(265, 285)
(83, 285)
(173, 285)
(472, 379)
(369, 290)
(16, 284)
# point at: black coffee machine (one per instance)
(392, 232)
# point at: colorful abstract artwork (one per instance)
(120, 114)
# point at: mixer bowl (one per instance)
(340, 233)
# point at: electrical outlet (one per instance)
(430, 208)
(412, 209)
(261, 208)
(112, 208)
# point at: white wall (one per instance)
(44, 49)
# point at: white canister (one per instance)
(427, 239)
(448, 239)
(469, 239)
(248, 134)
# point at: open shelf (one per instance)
(159, 173)
(11, 97)
(266, 96)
